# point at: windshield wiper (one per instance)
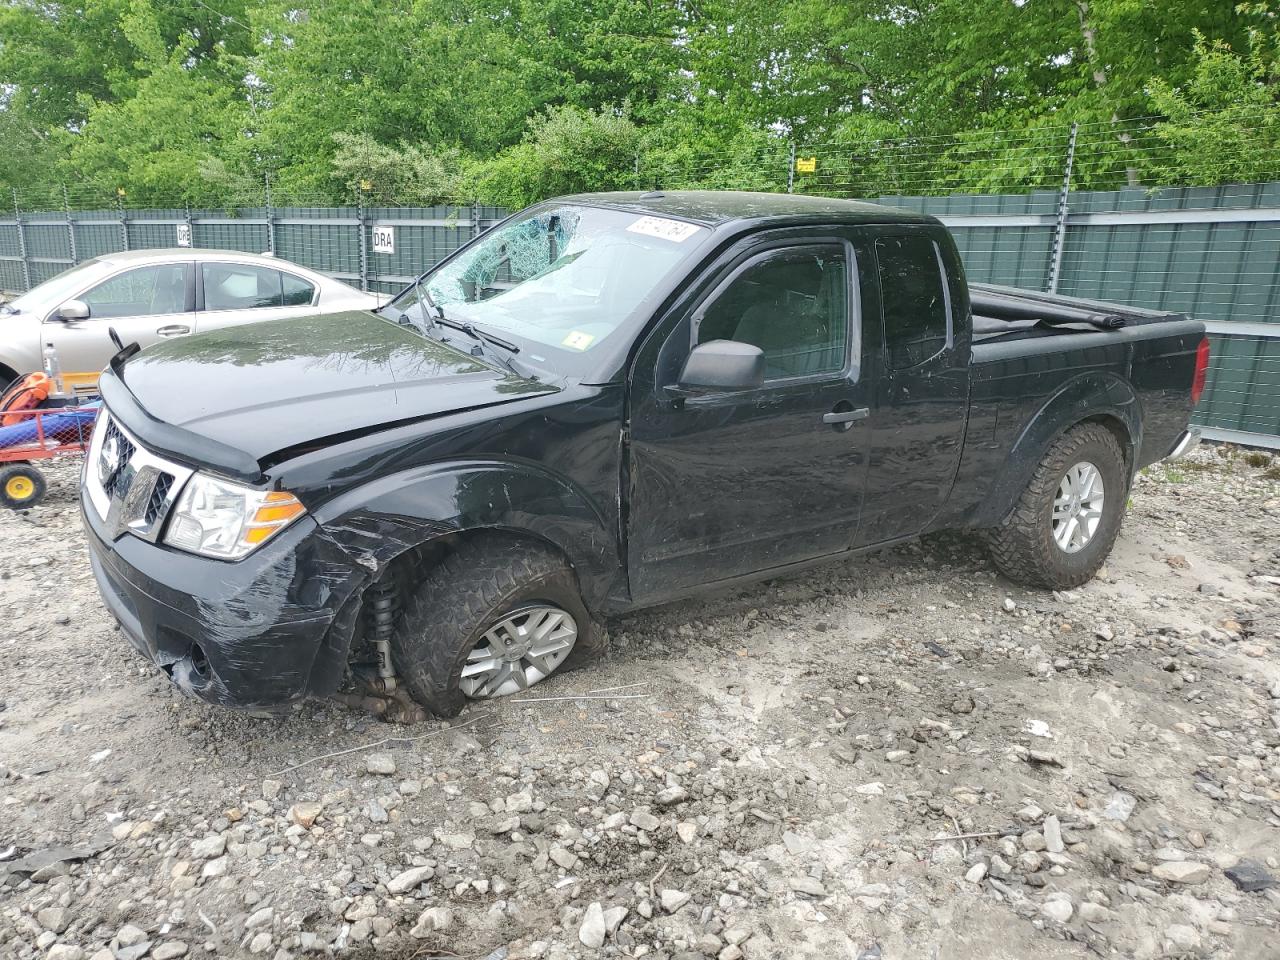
(482, 337)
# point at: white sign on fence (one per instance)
(384, 239)
(184, 234)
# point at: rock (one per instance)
(1009, 605)
(65, 951)
(564, 859)
(673, 900)
(305, 814)
(209, 848)
(1053, 835)
(408, 880)
(1059, 911)
(1249, 876)
(999, 866)
(592, 931)
(519, 803)
(870, 789)
(613, 918)
(962, 706)
(56, 919)
(1094, 912)
(130, 936)
(644, 820)
(1182, 937)
(1120, 806)
(261, 943)
(671, 796)
(271, 789)
(214, 868)
(1184, 871)
(976, 873)
(169, 951)
(808, 886)
(432, 920)
(1033, 840)
(686, 831)
(260, 918)
(382, 764)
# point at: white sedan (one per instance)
(151, 295)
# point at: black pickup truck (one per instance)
(605, 402)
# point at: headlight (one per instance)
(224, 520)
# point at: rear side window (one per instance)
(238, 286)
(297, 292)
(913, 298)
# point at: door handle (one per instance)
(846, 416)
(173, 330)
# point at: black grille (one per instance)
(158, 495)
(126, 448)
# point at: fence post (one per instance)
(271, 215)
(124, 221)
(186, 218)
(71, 226)
(22, 241)
(791, 169)
(364, 242)
(475, 220)
(1060, 227)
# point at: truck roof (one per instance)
(715, 207)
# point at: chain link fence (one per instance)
(1108, 211)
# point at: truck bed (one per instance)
(1032, 351)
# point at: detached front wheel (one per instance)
(1064, 525)
(496, 617)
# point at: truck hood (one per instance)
(267, 387)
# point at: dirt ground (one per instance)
(780, 772)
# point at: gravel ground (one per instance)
(779, 772)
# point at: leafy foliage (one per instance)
(504, 101)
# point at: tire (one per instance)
(486, 580)
(1026, 548)
(21, 486)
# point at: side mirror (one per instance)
(721, 366)
(72, 310)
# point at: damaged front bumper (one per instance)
(260, 633)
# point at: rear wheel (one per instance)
(21, 486)
(493, 618)
(1064, 525)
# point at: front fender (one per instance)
(380, 520)
(1098, 395)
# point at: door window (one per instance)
(914, 299)
(794, 305)
(144, 292)
(238, 286)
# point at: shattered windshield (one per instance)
(558, 280)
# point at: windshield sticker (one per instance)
(677, 231)
(577, 340)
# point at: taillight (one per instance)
(1202, 370)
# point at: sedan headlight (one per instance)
(215, 518)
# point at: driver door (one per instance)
(143, 305)
(734, 484)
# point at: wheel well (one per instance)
(1117, 428)
(7, 376)
(384, 598)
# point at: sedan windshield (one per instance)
(54, 290)
(558, 280)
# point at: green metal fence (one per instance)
(1211, 252)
